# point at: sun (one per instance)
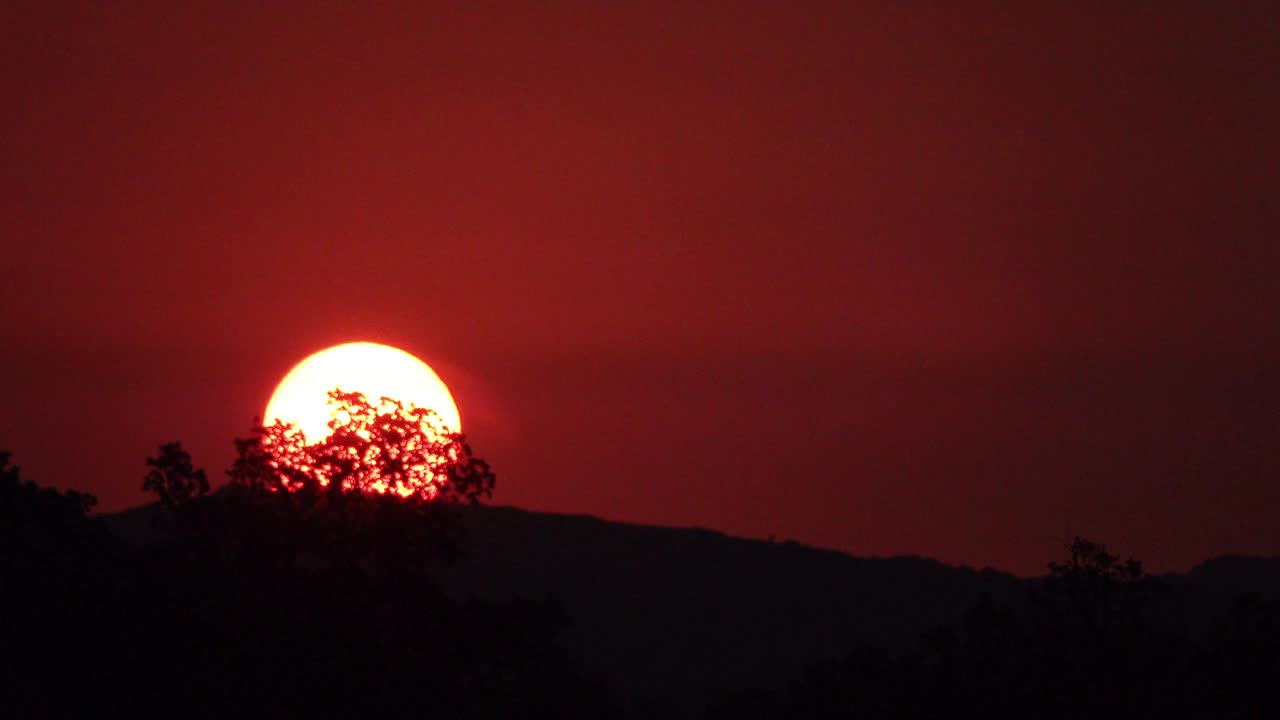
(302, 397)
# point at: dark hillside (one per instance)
(673, 615)
(671, 619)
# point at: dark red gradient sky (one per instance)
(886, 280)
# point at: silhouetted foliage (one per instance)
(46, 504)
(173, 479)
(1091, 642)
(260, 599)
(1090, 564)
(381, 447)
(235, 608)
(36, 522)
(385, 484)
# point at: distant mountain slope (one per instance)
(676, 616)
(673, 618)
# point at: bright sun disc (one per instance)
(302, 398)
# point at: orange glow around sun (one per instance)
(302, 397)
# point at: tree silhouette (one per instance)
(34, 501)
(1103, 592)
(235, 593)
(36, 522)
(173, 479)
(1089, 562)
(382, 447)
(318, 598)
(375, 495)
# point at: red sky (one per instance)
(871, 278)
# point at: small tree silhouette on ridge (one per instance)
(172, 477)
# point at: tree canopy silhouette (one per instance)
(36, 522)
(30, 500)
(1101, 594)
(374, 447)
(311, 591)
(317, 598)
(375, 494)
(172, 478)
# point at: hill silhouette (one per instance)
(324, 598)
(672, 620)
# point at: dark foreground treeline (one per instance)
(254, 603)
(257, 602)
(1096, 638)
